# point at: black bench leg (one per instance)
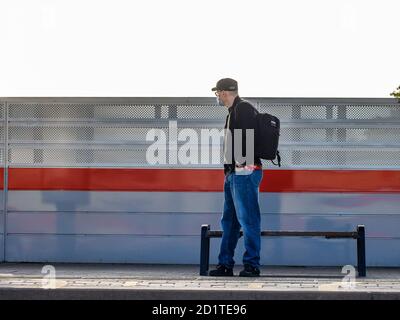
(204, 250)
(362, 272)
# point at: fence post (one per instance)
(204, 250)
(361, 266)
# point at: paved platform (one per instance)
(176, 282)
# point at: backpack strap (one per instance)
(279, 159)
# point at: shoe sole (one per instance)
(249, 275)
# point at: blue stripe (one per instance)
(185, 224)
(201, 202)
(162, 227)
(185, 250)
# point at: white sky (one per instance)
(285, 48)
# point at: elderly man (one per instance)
(241, 186)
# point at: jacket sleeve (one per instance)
(245, 118)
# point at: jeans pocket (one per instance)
(256, 177)
(241, 179)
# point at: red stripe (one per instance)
(102, 179)
(1, 178)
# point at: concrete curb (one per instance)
(167, 294)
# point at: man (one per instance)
(241, 186)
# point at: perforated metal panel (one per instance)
(331, 157)
(287, 112)
(80, 134)
(70, 156)
(82, 112)
(328, 111)
(341, 136)
(93, 134)
(316, 133)
(2, 122)
(2, 130)
(374, 112)
(294, 158)
(194, 111)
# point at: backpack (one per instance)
(267, 135)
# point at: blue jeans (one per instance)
(241, 209)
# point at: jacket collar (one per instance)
(235, 103)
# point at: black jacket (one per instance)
(242, 115)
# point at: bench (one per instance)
(359, 235)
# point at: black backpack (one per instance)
(267, 135)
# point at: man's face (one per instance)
(221, 96)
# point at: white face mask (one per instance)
(220, 103)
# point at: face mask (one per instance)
(220, 103)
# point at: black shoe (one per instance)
(249, 271)
(221, 271)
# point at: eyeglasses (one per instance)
(218, 92)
